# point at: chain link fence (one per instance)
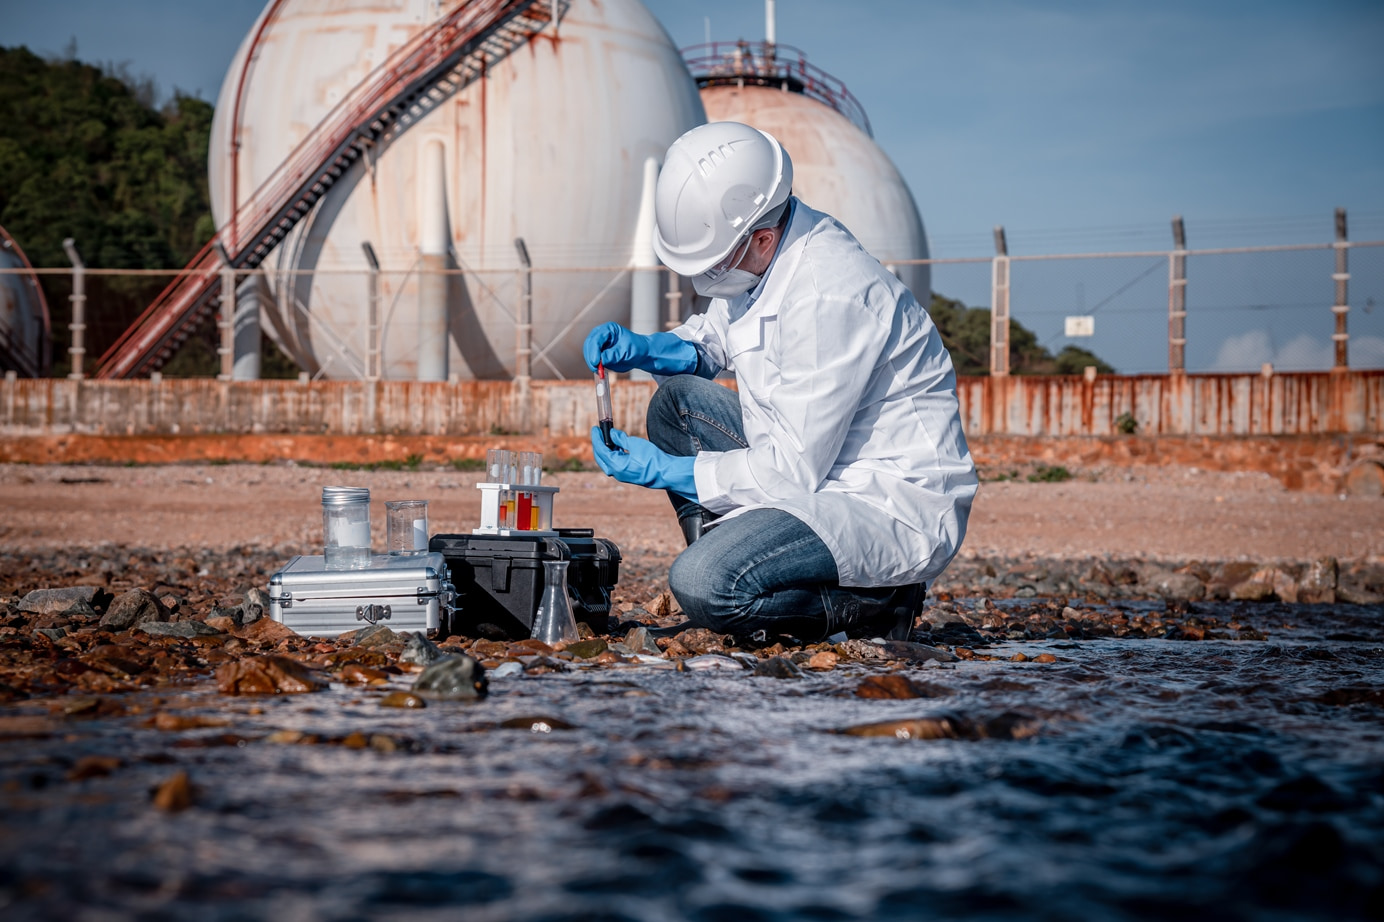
(1245, 308)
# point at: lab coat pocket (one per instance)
(752, 346)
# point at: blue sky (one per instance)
(1077, 125)
(1081, 126)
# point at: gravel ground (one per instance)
(1145, 513)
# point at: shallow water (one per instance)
(1144, 779)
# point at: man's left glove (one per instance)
(643, 463)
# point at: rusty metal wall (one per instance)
(1192, 405)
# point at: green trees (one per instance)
(84, 154)
(966, 334)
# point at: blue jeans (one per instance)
(763, 570)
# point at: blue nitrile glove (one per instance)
(644, 464)
(620, 350)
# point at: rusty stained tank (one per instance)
(837, 166)
(25, 333)
(550, 146)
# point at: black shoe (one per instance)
(895, 617)
(694, 525)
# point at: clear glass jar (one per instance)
(346, 527)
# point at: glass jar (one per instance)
(346, 527)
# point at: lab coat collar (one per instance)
(741, 304)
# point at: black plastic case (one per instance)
(499, 579)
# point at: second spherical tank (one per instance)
(837, 168)
(549, 146)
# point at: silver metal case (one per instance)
(403, 593)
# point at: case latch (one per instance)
(373, 613)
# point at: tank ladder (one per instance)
(439, 62)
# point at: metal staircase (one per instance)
(440, 61)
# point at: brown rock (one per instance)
(887, 686)
(266, 675)
(266, 630)
(924, 728)
(823, 659)
(167, 721)
(1018, 658)
(174, 794)
(93, 767)
(134, 607)
(363, 675)
(701, 640)
(1045, 658)
(400, 699)
(356, 740)
(587, 649)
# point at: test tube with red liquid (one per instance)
(603, 413)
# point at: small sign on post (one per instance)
(1080, 325)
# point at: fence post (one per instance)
(1177, 300)
(674, 298)
(226, 317)
(77, 349)
(1342, 306)
(372, 316)
(999, 307)
(523, 339)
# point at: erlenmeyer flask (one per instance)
(553, 621)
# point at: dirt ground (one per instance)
(1155, 513)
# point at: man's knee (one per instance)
(701, 588)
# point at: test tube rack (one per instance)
(491, 494)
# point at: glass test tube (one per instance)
(604, 416)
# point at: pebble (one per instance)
(64, 600)
(376, 635)
(711, 661)
(778, 667)
(893, 686)
(174, 794)
(915, 652)
(453, 678)
(420, 651)
(133, 607)
(184, 629)
(923, 728)
(402, 699)
(640, 641)
(505, 670)
(267, 675)
(823, 660)
(587, 649)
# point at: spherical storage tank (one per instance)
(550, 146)
(24, 324)
(837, 166)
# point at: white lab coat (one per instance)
(849, 405)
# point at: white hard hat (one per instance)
(719, 182)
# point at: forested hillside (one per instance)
(85, 154)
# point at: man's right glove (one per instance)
(621, 350)
(641, 462)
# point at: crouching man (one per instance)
(822, 494)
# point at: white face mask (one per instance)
(729, 282)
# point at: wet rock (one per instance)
(267, 675)
(587, 649)
(1183, 586)
(184, 629)
(454, 678)
(640, 641)
(1252, 590)
(174, 722)
(893, 686)
(778, 667)
(255, 606)
(505, 670)
(174, 794)
(420, 651)
(1045, 658)
(538, 724)
(376, 635)
(823, 660)
(915, 652)
(1318, 583)
(82, 600)
(1357, 595)
(711, 661)
(1227, 577)
(701, 640)
(402, 699)
(922, 728)
(93, 767)
(357, 674)
(134, 607)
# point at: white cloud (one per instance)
(1249, 351)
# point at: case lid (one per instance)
(307, 577)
